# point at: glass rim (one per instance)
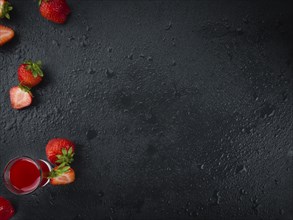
(42, 177)
(9, 185)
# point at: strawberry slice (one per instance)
(20, 97)
(6, 34)
(62, 175)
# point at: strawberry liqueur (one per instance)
(24, 175)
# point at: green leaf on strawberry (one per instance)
(5, 8)
(35, 68)
(59, 170)
(66, 157)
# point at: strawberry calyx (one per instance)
(40, 1)
(58, 171)
(35, 68)
(25, 88)
(66, 157)
(5, 8)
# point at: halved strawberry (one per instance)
(20, 97)
(60, 151)
(6, 34)
(62, 175)
(5, 8)
(30, 73)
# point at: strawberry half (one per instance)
(20, 97)
(60, 151)
(62, 175)
(30, 73)
(5, 8)
(6, 209)
(6, 34)
(54, 10)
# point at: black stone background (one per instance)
(181, 110)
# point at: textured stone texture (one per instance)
(181, 110)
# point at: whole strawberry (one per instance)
(6, 209)
(54, 10)
(5, 8)
(60, 151)
(30, 74)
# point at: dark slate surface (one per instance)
(181, 110)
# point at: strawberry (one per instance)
(6, 34)
(62, 175)
(6, 209)
(54, 10)
(5, 8)
(20, 97)
(30, 73)
(60, 151)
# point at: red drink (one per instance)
(24, 175)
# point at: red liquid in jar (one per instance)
(24, 175)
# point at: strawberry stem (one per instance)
(24, 88)
(66, 157)
(40, 1)
(59, 170)
(35, 68)
(5, 9)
